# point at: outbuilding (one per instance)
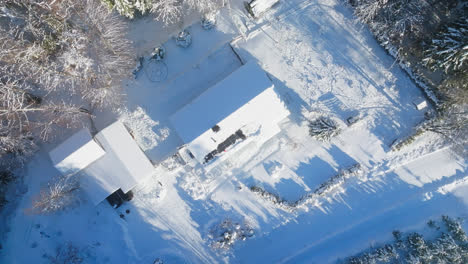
(420, 104)
(110, 163)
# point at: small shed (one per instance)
(420, 104)
(238, 109)
(110, 162)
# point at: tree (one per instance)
(455, 229)
(449, 48)
(367, 10)
(406, 17)
(51, 48)
(323, 128)
(58, 195)
(448, 52)
(128, 8)
(204, 6)
(452, 123)
(66, 254)
(97, 54)
(167, 11)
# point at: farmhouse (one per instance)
(239, 110)
(110, 164)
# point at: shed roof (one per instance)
(76, 152)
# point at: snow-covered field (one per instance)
(322, 64)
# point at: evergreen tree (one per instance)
(449, 48)
(129, 8)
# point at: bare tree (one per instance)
(66, 253)
(452, 123)
(59, 194)
(97, 52)
(204, 6)
(323, 128)
(167, 11)
(49, 48)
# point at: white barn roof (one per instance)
(76, 153)
(244, 100)
(123, 165)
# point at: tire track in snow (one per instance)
(163, 220)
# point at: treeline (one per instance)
(431, 38)
(447, 244)
(167, 11)
(59, 60)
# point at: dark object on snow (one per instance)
(257, 7)
(138, 67)
(352, 119)
(117, 198)
(225, 144)
(122, 216)
(215, 128)
(158, 53)
(208, 21)
(190, 154)
(127, 211)
(43, 234)
(323, 128)
(5, 177)
(184, 39)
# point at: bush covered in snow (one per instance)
(183, 39)
(66, 253)
(310, 198)
(323, 128)
(415, 248)
(227, 233)
(208, 21)
(158, 53)
(273, 198)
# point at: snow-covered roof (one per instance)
(76, 153)
(244, 100)
(123, 165)
(420, 104)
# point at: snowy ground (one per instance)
(322, 63)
